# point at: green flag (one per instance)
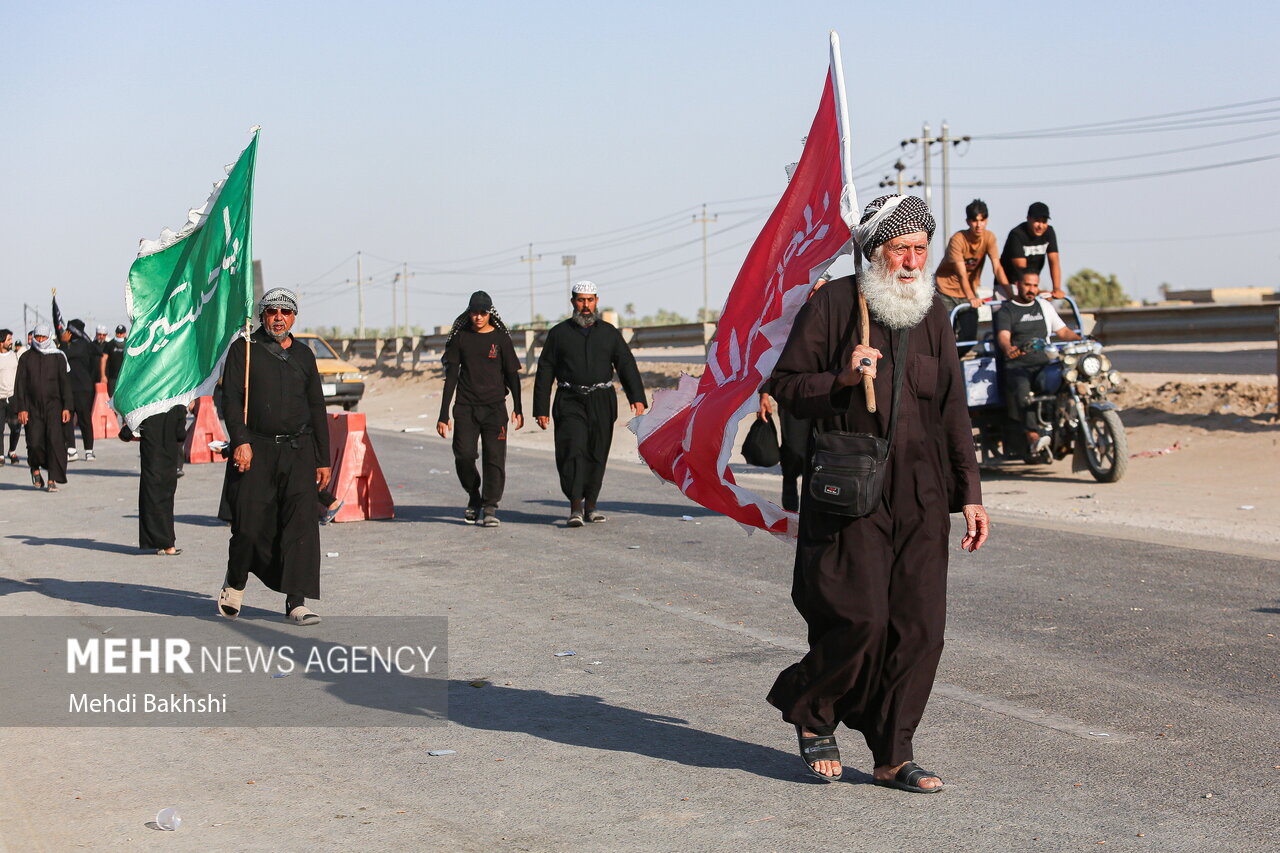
(188, 294)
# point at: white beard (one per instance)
(893, 302)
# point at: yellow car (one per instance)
(341, 383)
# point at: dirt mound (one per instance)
(1239, 399)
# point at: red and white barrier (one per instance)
(357, 477)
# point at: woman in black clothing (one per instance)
(481, 365)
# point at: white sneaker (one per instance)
(72, 453)
(88, 455)
(1042, 443)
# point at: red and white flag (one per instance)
(688, 436)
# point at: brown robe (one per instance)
(873, 590)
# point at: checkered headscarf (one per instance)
(892, 216)
(278, 297)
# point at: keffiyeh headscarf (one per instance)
(892, 216)
(48, 347)
(278, 297)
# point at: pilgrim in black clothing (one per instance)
(580, 356)
(84, 359)
(114, 352)
(873, 589)
(481, 366)
(42, 394)
(280, 457)
(161, 437)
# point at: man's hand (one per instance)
(23, 417)
(766, 407)
(322, 477)
(66, 416)
(1058, 294)
(243, 457)
(975, 302)
(517, 419)
(977, 527)
(637, 409)
(442, 427)
(542, 420)
(854, 371)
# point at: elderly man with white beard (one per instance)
(872, 589)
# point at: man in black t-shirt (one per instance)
(112, 359)
(83, 358)
(1021, 322)
(1029, 244)
(480, 364)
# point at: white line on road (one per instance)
(1035, 717)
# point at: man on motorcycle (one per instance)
(1023, 325)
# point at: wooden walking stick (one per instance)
(248, 321)
(867, 383)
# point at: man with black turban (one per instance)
(872, 589)
(280, 457)
(480, 364)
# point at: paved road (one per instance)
(1093, 690)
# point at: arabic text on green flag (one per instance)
(188, 294)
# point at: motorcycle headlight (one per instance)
(1114, 377)
(1090, 365)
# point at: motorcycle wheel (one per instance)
(1109, 456)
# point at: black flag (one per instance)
(58, 325)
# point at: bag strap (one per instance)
(899, 370)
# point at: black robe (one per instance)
(873, 590)
(274, 533)
(160, 454)
(42, 389)
(583, 358)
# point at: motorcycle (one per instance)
(1069, 398)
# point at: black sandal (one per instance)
(818, 748)
(907, 777)
(37, 480)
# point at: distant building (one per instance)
(1222, 295)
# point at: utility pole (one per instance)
(531, 259)
(947, 141)
(395, 323)
(706, 291)
(359, 298)
(406, 297)
(898, 182)
(568, 261)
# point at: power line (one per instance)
(1115, 122)
(1141, 156)
(1115, 178)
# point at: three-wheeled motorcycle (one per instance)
(1069, 398)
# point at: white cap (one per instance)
(584, 287)
(102, 330)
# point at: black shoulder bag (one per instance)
(847, 468)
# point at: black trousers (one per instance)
(477, 431)
(794, 451)
(274, 533)
(584, 433)
(1017, 391)
(82, 415)
(9, 418)
(873, 594)
(160, 456)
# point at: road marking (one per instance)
(1004, 708)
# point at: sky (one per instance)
(451, 136)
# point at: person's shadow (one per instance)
(86, 544)
(135, 597)
(453, 513)
(589, 721)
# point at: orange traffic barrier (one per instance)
(357, 477)
(204, 430)
(105, 424)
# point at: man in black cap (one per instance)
(1027, 247)
(872, 589)
(580, 356)
(83, 358)
(280, 459)
(112, 359)
(480, 364)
